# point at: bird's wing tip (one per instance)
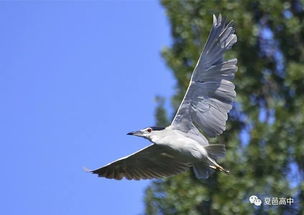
(87, 170)
(217, 19)
(214, 20)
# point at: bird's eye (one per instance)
(149, 130)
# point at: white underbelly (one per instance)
(186, 148)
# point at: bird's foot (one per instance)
(219, 168)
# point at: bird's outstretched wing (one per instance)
(154, 161)
(210, 92)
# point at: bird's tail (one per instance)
(205, 168)
(202, 170)
(216, 151)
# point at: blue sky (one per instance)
(75, 77)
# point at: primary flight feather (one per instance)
(203, 111)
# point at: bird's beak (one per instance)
(135, 133)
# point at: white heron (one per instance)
(203, 111)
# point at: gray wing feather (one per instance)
(153, 161)
(210, 93)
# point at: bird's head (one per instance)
(147, 133)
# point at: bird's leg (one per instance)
(213, 167)
(216, 166)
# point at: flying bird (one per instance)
(203, 112)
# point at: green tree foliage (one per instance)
(265, 130)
